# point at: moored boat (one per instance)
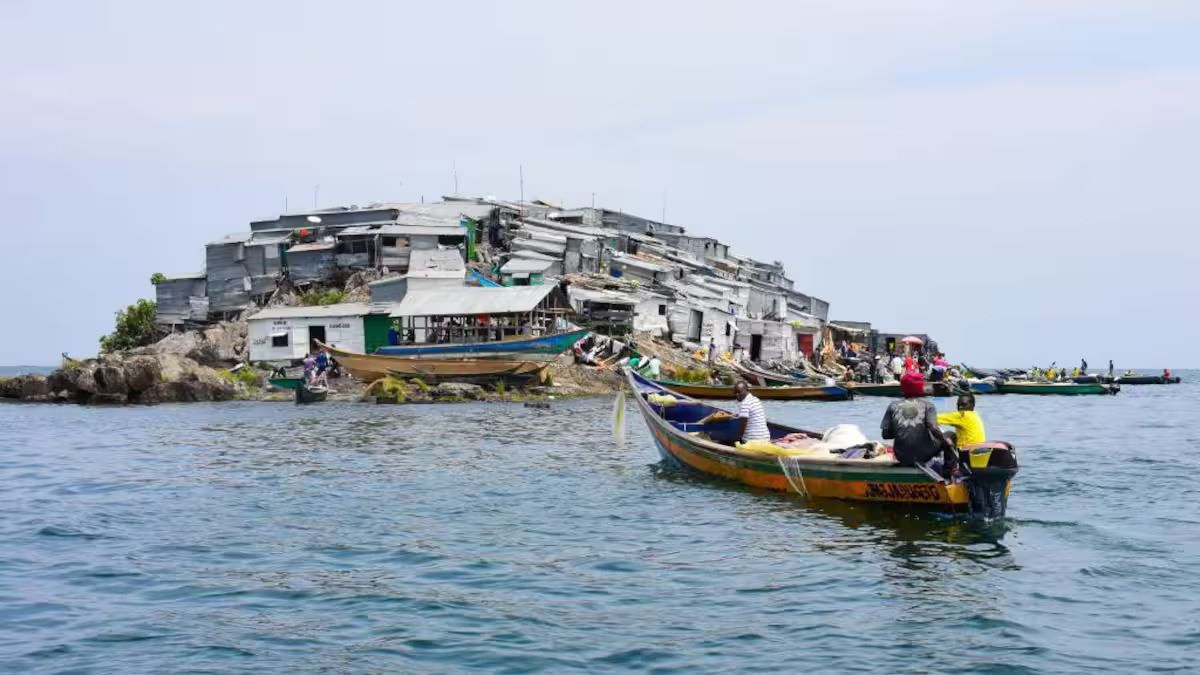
(311, 393)
(1147, 379)
(371, 367)
(1057, 388)
(830, 393)
(286, 382)
(685, 437)
(541, 348)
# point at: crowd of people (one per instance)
(871, 368)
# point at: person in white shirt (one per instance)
(751, 408)
(653, 368)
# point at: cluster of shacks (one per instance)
(618, 272)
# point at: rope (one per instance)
(789, 465)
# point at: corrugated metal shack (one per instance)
(309, 263)
(181, 300)
(228, 280)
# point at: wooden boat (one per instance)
(1147, 379)
(677, 433)
(774, 393)
(754, 374)
(893, 389)
(1057, 388)
(308, 393)
(286, 382)
(371, 367)
(542, 348)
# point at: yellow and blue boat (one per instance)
(685, 438)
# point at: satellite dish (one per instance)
(314, 219)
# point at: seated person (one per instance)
(912, 422)
(968, 426)
(751, 409)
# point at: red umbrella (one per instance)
(912, 340)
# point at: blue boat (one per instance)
(548, 346)
(984, 387)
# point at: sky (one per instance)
(1017, 179)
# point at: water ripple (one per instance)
(252, 537)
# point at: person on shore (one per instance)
(712, 352)
(751, 409)
(653, 368)
(968, 425)
(1110, 368)
(310, 367)
(913, 423)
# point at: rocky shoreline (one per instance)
(210, 365)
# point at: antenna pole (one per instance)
(455, 164)
(521, 177)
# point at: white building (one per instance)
(289, 333)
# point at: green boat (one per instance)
(286, 382)
(1058, 388)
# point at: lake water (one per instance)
(251, 537)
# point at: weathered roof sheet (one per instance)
(189, 275)
(436, 263)
(600, 295)
(319, 311)
(471, 300)
(526, 265)
(315, 246)
(391, 229)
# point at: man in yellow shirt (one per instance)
(968, 426)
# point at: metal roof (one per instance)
(471, 300)
(391, 229)
(319, 311)
(534, 255)
(181, 277)
(526, 265)
(315, 246)
(436, 264)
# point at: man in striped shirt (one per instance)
(751, 408)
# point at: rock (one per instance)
(110, 379)
(221, 345)
(25, 387)
(108, 399)
(458, 390)
(142, 373)
(76, 379)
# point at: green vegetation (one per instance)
(329, 296)
(388, 389)
(157, 277)
(699, 375)
(135, 328)
(500, 387)
(419, 384)
(244, 376)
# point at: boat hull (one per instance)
(772, 393)
(836, 479)
(1057, 389)
(371, 367)
(307, 394)
(1147, 379)
(543, 348)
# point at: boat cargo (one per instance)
(790, 393)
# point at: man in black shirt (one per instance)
(912, 422)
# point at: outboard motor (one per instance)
(993, 466)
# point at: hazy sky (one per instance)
(1015, 178)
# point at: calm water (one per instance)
(254, 537)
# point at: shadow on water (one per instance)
(906, 531)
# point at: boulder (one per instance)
(110, 379)
(108, 399)
(458, 390)
(220, 345)
(142, 372)
(76, 379)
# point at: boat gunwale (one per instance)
(733, 453)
